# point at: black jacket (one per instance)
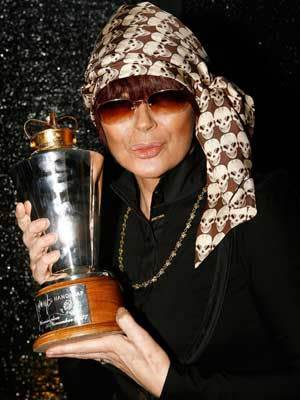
(231, 327)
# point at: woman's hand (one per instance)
(135, 353)
(37, 243)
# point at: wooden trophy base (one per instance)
(87, 305)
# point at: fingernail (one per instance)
(18, 205)
(56, 256)
(121, 311)
(51, 258)
(53, 236)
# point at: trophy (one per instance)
(63, 183)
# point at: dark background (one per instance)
(44, 50)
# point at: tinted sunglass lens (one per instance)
(115, 111)
(168, 101)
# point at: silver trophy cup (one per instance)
(63, 183)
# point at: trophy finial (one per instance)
(51, 133)
(51, 119)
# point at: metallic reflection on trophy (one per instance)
(63, 183)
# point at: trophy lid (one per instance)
(50, 134)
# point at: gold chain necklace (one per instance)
(173, 253)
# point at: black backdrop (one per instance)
(44, 51)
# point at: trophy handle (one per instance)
(70, 117)
(51, 123)
(33, 122)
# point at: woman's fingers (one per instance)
(51, 257)
(42, 269)
(27, 206)
(23, 219)
(20, 210)
(33, 230)
(30, 229)
(39, 245)
(105, 344)
(41, 261)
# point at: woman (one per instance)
(201, 246)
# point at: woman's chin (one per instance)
(151, 167)
(149, 173)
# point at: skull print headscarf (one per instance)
(144, 40)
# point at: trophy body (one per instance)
(63, 184)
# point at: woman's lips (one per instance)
(148, 150)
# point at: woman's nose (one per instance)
(143, 118)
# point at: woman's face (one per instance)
(148, 145)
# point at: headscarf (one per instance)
(142, 39)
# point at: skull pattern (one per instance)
(156, 49)
(229, 144)
(218, 96)
(212, 149)
(203, 245)
(223, 118)
(222, 217)
(138, 58)
(213, 194)
(127, 45)
(208, 218)
(237, 216)
(133, 69)
(221, 176)
(237, 170)
(206, 125)
(239, 198)
(203, 101)
(134, 32)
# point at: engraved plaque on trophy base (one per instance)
(77, 309)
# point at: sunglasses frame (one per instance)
(146, 101)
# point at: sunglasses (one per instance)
(162, 102)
